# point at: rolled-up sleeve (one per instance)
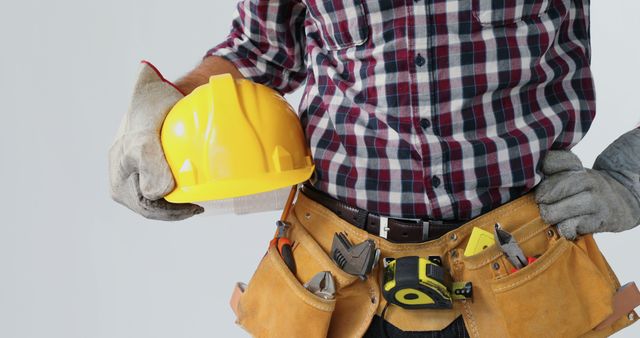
(266, 43)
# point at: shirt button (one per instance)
(435, 181)
(425, 123)
(420, 61)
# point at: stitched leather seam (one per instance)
(469, 313)
(321, 304)
(562, 247)
(372, 311)
(490, 259)
(313, 248)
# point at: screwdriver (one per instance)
(280, 240)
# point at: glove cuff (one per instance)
(621, 161)
(155, 69)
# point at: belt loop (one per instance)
(384, 227)
(361, 219)
(425, 230)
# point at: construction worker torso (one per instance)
(428, 122)
(439, 109)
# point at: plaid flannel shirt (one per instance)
(424, 108)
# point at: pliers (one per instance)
(283, 245)
(510, 247)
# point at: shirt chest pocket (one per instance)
(342, 23)
(504, 12)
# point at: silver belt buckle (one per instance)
(384, 227)
(425, 230)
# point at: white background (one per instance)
(73, 263)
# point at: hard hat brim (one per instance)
(231, 188)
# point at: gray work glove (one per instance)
(603, 199)
(139, 174)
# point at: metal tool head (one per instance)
(502, 236)
(282, 228)
(356, 260)
(510, 247)
(322, 285)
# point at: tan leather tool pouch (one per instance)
(276, 304)
(566, 292)
(562, 290)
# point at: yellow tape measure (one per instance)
(420, 283)
(415, 283)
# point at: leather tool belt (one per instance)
(569, 291)
(396, 230)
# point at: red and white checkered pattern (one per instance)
(425, 108)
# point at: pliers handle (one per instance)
(284, 246)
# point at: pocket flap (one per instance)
(503, 12)
(342, 23)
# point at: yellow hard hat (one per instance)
(232, 138)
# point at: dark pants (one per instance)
(379, 330)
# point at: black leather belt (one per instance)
(394, 229)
